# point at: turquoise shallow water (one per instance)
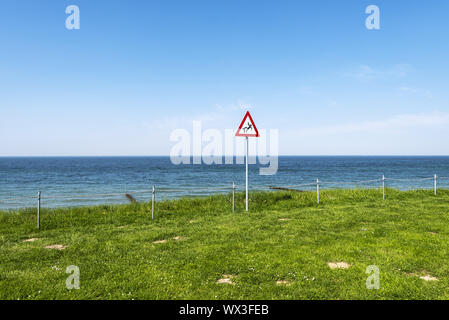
(77, 181)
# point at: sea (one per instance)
(85, 181)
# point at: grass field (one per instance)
(279, 250)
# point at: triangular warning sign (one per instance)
(247, 128)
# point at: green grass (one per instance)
(406, 235)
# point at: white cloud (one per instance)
(239, 106)
(433, 119)
(220, 116)
(307, 91)
(365, 72)
(416, 91)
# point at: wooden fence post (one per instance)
(435, 184)
(152, 205)
(38, 209)
(233, 196)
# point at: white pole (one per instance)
(435, 184)
(247, 147)
(383, 187)
(317, 191)
(152, 205)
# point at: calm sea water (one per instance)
(77, 181)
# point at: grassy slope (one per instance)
(112, 245)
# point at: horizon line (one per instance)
(282, 155)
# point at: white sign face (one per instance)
(247, 128)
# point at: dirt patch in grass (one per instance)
(283, 283)
(177, 238)
(429, 278)
(56, 246)
(338, 265)
(283, 219)
(30, 240)
(423, 275)
(227, 278)
(159, 241)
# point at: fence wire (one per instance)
(188, 190)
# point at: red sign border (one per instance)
(238, 134)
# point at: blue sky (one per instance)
(136, 70)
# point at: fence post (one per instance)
(435, 184)
(38, 209)
(383, 187)
(152, 205)
(233, 196)
(317, 191)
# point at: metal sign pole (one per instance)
(247, 147)
(247, 129)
